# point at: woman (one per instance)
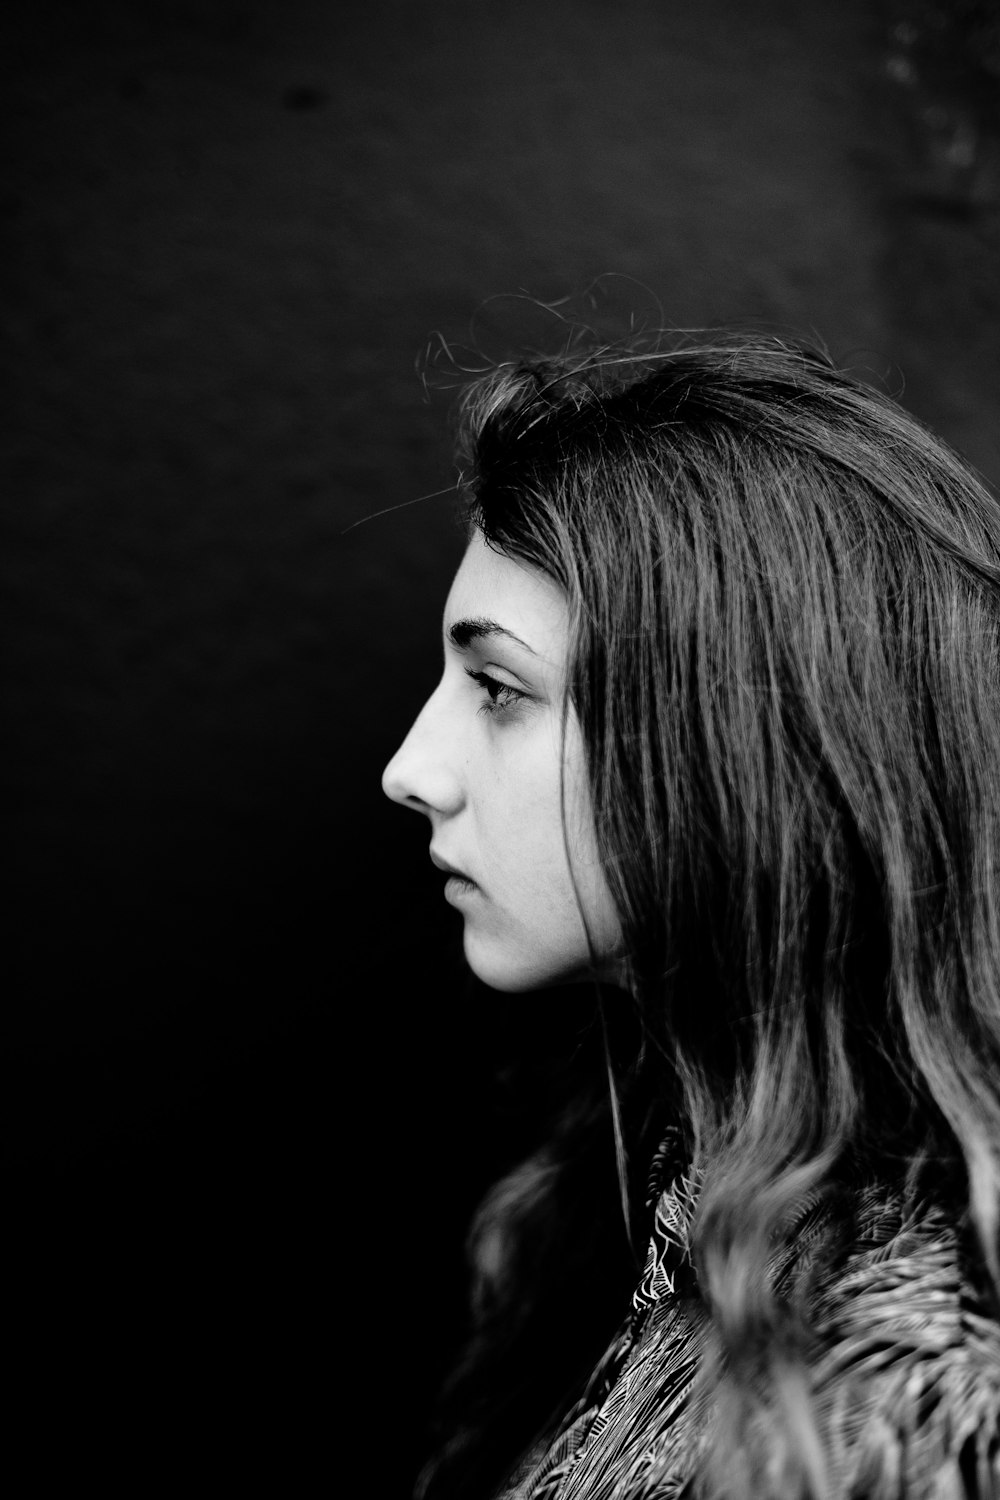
(719, 727)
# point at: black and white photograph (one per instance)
(501, 749)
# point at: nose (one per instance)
(424, 773)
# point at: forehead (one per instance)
(519, 598)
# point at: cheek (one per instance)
(529, 932)
(521, 830)
(530, 856)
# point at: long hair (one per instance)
(785, 596)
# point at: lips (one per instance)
(449, 868)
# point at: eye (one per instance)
(500, 697)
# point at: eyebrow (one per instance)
(464, 632)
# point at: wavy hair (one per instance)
(785, 596)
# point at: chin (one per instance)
(510, 977)
(513, 975)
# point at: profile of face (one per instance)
(499, 770)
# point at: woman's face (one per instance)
(501, 776)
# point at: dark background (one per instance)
(246, 1082)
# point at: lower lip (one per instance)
(457, 889)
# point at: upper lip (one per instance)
(449, 869)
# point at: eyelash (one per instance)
(501, 698)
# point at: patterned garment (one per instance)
(906, 1383)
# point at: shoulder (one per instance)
(906, 1375)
